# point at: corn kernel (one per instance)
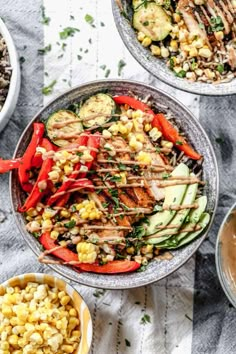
(141, 36)
(155, 50)
(174, 45)
(65, 300)
(219, 35)
(54, 235)
(167, 144)
(73, 312)
(106, 134)
(4, 345)
(147, 127)
(146, 42)
(65, 213)
(13, 340)
(205, 53)
(47, 225)
(6, 310)
(67, 348)
(176, 17)
(193, 52)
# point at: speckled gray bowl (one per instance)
(157, 67)
(195, 134)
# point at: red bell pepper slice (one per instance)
(24, 168)
(94, 143)
(170, 133)
(37, 160)
(113, 267)
(67, 255)
(83, 184)
(63, 253)
(36, 194)
(135, 104)
(82, 141)
(7, 165)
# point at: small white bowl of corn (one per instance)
(40, 313)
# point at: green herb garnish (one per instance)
(70, 224)
(121, 167)
(178, 142)
(181, 73)
(121, 65)
(45, 19)
(36, 234)
(45, 50)
(220, 68)
(68, 32)
(216, 24)
(107, 73)
(89, 19)
(172, 63)
(127, 343)
(145, 319)
(142, 268)
(79, 57)
(145, 23)
(157, 208)
(201, 25)
(115, 179)
(47, 90)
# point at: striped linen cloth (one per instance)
(188, 311)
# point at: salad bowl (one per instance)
(123, 14)
(157, 269)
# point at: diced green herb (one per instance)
(47, 90)
(68, 32)
(79, 153)
(220, 68)
(167, 4)
(73, 208)
(145, 319)
(45, 50)
(115, 178)
(36, 234)
(165, 175)
(107, 73)
(157, 208)
(70, 224)
(89, 19)
(179, 142)
(105, 205)
(45, 19)
(201, 25)
(158, 150)
(121, 65)
(193, 64)
(127, 343)
(79, 57)
(172, 63)
(98, 293)
(145, 23)
(217, 24)
(181, 73)
(142, 268)
(121, 167)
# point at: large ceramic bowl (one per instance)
(155, 66)
(78, 302)
(14, 88)
(195, 134)
(226, 255)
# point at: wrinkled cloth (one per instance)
(188, 311)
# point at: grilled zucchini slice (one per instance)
(153, 21)
(63, 121)
(101, 106)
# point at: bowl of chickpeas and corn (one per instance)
(39, 314)
(162, 61)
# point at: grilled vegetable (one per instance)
(153, 21)
(99, 106)
(111, 267)
(61, 123)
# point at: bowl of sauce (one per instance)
(226, 255)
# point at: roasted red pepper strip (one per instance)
(24, 168)
(82, 141)
(7, 165)
(63, 253)
(83, 184)
(94, 143)
(113, 267)
(36, 194)
(135, 104)
(67, 256)
(170, 133)
(37, 160)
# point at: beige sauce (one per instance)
(228, 248)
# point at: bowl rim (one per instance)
(219, 268)
(168, 81)
(15, 79)
(94, 82)
(40, 276)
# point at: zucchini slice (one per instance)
(70, 125)
(101, 105)
(153, 21)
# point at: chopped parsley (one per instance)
(36, 234)
(127, 343)
(47, 90)
(145, 319)
(145, 23)
(142, 268)
(68, 32)
(45, 19)
(121, 65)
(107, 73)
(79, 153)
(79, 57)
(70, 224)
(220, 68)
(181, 73)
(157, 208)
(115, 179)
(178, 142)
(165, 175)
(45, 50)
(98, 293)
(73, 208)
(216, 24)
(105, 205)
(89, 19)
(121, 167)
(201, 25)
(172, 63)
